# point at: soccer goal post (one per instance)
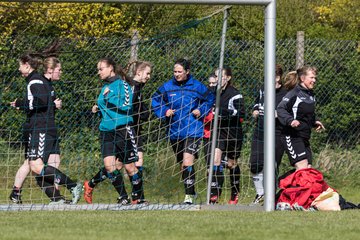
(269, 74)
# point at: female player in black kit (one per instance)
(40, 133)
(230, 138)
(257, 145)
(296, 113)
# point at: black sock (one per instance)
(188, 176)
(50, 190)
(17, 190)
(217, 180)
(100, 176)
(117, 181)
(141, 169)
(235, 180)
(54, 175)
(137, 186)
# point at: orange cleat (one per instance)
(139, 201)
(214, 199)
(234, 199)
(88, 191)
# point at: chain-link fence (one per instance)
(337, 89)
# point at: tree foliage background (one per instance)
(326, 19)
(97, 29)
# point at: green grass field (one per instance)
(340, 168)
(180, 225)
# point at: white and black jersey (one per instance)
(232, 108)
(38, 105)
(259, 106)
(257, 144)
(231, 114)
(297, 104)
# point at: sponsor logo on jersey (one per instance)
(301, 154)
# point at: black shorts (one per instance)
(230, 142)
(257, 151)
(187, 145)
(119, 143)
(297, 148)
(40, 145)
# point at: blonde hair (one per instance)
(294, 77)
(138, 65)
(290, 80)
(50, 62)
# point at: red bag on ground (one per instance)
(302, 187)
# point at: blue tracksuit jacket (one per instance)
(183, 97)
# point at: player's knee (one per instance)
(36, 166)
(131, 169)
(231, 163)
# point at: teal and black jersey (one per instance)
(115, 104)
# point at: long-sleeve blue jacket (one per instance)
(115, 104)
(183, 97)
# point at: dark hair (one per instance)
(119, 70)
(33, 59)
(47, 57)
(109, 62)
(184, 63)
(279, 70)
(212, 75)
(228, 72)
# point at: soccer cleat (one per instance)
(60, 201)
(214, 199)
(234, 199)
(88, 191)
(189, 199)
(259, 200)
(123, 200)
(76, 193)
(15, 197)
(283, 206)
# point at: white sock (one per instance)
(258, 180)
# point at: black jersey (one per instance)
(259, 106)
(232, 108)
(298, 104)
(140, 111)
(38, 105)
